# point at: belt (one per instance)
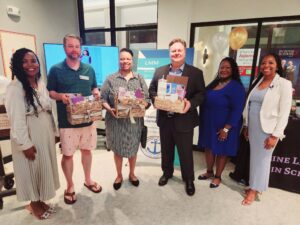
(170, 114)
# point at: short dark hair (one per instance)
(235, 73)
(177, 40)
(127, 50)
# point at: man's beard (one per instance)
(73, 56)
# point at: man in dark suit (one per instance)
(178, 128)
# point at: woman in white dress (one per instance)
(32, 134)
(265, 117)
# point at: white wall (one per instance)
(48, 20)
(174, 19)
(137, 14)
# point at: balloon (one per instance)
(220, 42)
(238, 37)
(198, 46)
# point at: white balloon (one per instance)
(220, 42)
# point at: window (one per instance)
(103, 22)
(279, 35)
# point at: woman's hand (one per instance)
(271, 142)
(30, 153)
(222, 135)
(112, 111)
(148, 105)
(245, 133)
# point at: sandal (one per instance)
(43, 216)
(93, 187)
(47, 207)
(251, 196)
(67, 200)
(207, 175)
(214, 185)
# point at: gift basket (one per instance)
(130, 104)
(4, 122)
(170, 93)
(83, 109)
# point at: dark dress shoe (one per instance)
(134, 182)
(117, 186)
(163, 180)
(190, 188)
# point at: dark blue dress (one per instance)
(220, 107)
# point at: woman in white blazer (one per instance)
(266, 115)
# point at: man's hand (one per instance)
(187, 105)
(96, 93)
(30, 153)
(64, 98)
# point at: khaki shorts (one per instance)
(84, 138)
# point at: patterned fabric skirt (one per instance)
(122, 136)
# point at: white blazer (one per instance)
(276, 106)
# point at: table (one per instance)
(285, 165)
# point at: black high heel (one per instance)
(204, 177)
(213, 185)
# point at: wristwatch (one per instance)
(226, 130)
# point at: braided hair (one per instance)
(16, 66)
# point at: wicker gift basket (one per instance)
(176, 106)
(170, 94)
(84, 111)
(130, 107)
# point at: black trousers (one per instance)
(169, 137)
(242, 161)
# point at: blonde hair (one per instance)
(71, 36)
(177, 40)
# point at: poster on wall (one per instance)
(244, 58)
(290, 61)
(147, 62)
(12, 41)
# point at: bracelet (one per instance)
(226, 130)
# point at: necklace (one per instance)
(223, 83)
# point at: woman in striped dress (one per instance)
(32, 137)
(123, 136)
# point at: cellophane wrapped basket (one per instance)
(129, 107)
(84, 111)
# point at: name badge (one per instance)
(82, 77)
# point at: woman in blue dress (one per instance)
(221, 119)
